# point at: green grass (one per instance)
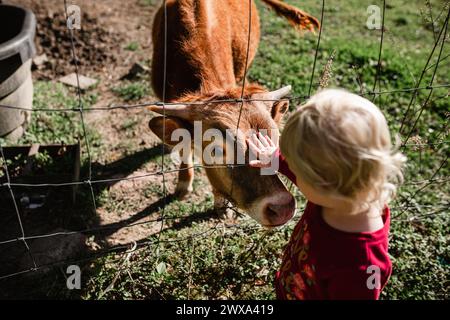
(239, 262)
(132, 46)
(57, 127)
(150, 2)
(132, 91)
(419, 242)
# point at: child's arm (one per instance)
(284, 167)
(266, 151)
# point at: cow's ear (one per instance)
(278, 110)
(163, 127)
(280, 106)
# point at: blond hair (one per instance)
(340, 144)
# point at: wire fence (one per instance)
(407, 129)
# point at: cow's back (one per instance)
(206, 45)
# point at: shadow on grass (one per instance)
(60, 216)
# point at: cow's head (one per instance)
(263, 197)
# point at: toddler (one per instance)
(337, 150)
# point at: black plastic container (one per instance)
(17, 31)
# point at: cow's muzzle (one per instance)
(278, 209)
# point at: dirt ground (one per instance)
(106, 27)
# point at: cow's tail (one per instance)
(298, 18)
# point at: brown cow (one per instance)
(205, 56)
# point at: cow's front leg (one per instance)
(185, 175)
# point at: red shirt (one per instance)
(322, 263)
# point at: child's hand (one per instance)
(264, 149)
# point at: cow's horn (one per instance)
(280, 93)
(174, 110)
(274, 95)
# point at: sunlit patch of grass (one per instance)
(132, 91)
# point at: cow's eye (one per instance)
(218, 151)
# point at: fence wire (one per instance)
(402, 204)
